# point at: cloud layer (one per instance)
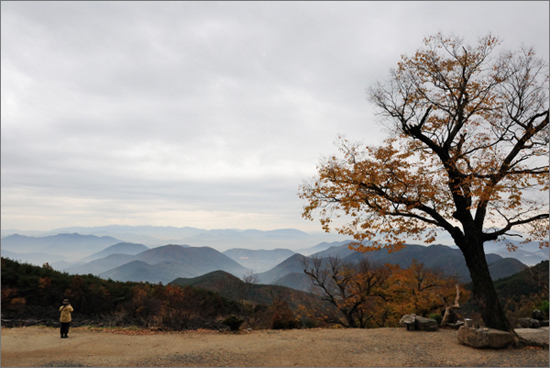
(206, 114)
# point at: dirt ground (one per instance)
(387, 347)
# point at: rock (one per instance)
(484, 338)
(425, 324)
(407, 318)
(414, 322)
(538, 315)
(534, 336)
(456, 326)
(524, 322)
(529, 322)
(544, 323)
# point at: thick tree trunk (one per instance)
(483, 290)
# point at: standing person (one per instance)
(65, 317)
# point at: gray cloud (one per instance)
(217, 109)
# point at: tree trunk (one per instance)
(350, 319)
(483, 291)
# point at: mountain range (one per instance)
(258, 260)
(446, 259)
(124, 248)
(161, 264)
(220, 239)
(109, 257)
(68, 247)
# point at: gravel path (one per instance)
(388, 347)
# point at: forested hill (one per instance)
(236, 289)
(33, 292)
(36, 292)
(530, 281)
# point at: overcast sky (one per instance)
(202, 114)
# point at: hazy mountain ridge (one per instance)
(162, 264)
(444, 258)
(295, 280)
(258, 260)
(283, 265)
(450, 261)
(70, 246)
(321, 247)
(139, 271)
(119, 248)
(220, 239)
(101, 265)
(526, 257)
(33, 258)
(293, 264)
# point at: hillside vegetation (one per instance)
(33, 292)
(234, 288)
(36, 292)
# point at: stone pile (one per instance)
(538, 319)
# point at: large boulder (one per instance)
(406, 319)
(425, 324)
(484, 338)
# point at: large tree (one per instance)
(467, 155)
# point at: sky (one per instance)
(203, 114)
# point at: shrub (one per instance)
(283, 317)
(544, 307)
(233, 323)
(438, 318)
(285, 325)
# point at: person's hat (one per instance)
(65, 301)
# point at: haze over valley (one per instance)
(275, 257)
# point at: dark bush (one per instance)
(285, 325)
(233, 323)
(438, 318)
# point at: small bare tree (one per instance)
(347, 287)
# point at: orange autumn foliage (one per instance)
(421, 291)
(368, 295)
